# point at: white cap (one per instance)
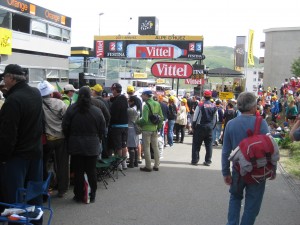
(69, 87)
(292, 78)
(233, 100)
(290, 92)
(45, 88)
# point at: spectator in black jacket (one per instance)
(83, 127)
(118, 129)
(20, 135)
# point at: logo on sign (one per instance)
(171, 70)
(100, 49)
(192, 47)
(112, 46)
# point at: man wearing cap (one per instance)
(54, 109)
(118, 130)
(97, 93)
(100, 103)
(150, 131)
(20, 135)
(204, 121)
(69, 91)
(130, 92)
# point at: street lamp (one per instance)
(100, 14)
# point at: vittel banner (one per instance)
(171, 70)
(150, 47)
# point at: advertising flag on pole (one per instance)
(250, 48)
(239, 53)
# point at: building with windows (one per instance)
(282, 47)
(36, 38)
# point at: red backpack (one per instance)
(261, 154)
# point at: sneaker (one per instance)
(216, 143)
(194, 164)
(61, 194)
(155, 168)
(145, 169)
(206, 163)
(167, 145)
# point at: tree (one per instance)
(295, 68)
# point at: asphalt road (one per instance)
(178, 194)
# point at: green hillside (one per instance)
(221, 56)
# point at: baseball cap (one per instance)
(207, 93)
(130, 89)
(147, 92)
(116, 86)
(184, 100)
(97, 88)
(290, 92)
(104, 94)
(45, 88)
(172, 98)
(13, 69)
(69, 87)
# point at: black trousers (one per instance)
(84, 164)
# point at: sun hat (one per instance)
(45, 88)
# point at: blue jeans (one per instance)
(202, 133)
(170, 131)
(253, 199)
(216, 132)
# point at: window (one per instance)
(39, 28)
(5, 19)
(54, 32)
(20, 23)
(66, 35)
(37, 75)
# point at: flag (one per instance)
(60, 90)
(250, 48)
(239, 53)
(5, 41)
(75, 97)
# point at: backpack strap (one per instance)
(257, 125)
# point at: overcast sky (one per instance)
(219, 21)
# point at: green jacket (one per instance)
(144, 122)
(66, 99)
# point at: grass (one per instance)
(290, 159)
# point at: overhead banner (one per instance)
(149, 47)
(239, 53)
(5, 41)
(30, 8)
(250, 48)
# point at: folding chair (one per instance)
(26, 212)
(103, 170)
(116, 161)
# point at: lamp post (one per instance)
(100, 14)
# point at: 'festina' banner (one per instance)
(240, 53)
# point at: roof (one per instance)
(221, 72)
